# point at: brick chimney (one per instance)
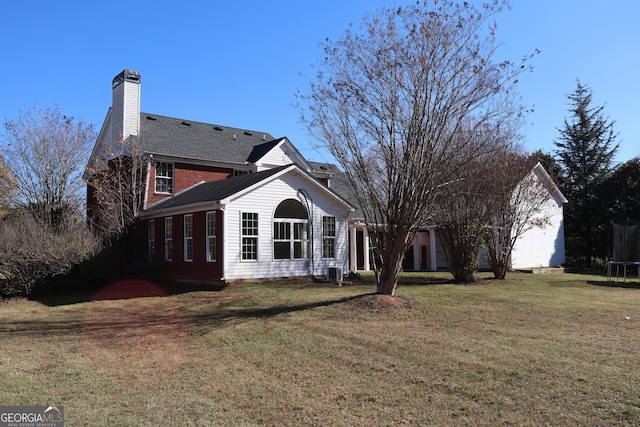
(125, 106)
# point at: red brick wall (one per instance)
(198, 270)
(184, 176)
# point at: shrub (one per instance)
(31, 252)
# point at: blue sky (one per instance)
(240, 63)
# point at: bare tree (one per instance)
(462, 221)
(44, 151)
(116, 179)
(7, 187)
(518, 202)
(390, 104)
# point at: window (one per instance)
(168, 239)
(249, 236)
(188, 237)
(238, 172)
(151, 241)
(300, 240)
(291, 239)
(211, 236)
(164, 177)
(328, 237)
(291, 231)
(281, 240)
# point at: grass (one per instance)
(557, 349)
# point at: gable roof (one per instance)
(551, 185)
(339, 183)
(173, 137)
(259, 151)
(214, 191)
(220, 191)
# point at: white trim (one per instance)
(367, 249)
(200, 162)
(186, 239)
(225, 257)
(353, 247)
(249, 236)
(434, 249)
(213, 236)
(216, 204)
(292, 167)
(168, 255)
(156, 176)
(181, 210)
(554, 188)
(151, 238)
(291, 240)
(146, 187)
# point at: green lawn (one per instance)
(558, 349)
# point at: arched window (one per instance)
(291, 231)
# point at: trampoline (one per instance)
(626, 249)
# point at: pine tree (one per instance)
(586, 148)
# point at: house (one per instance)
(224, 204)
(543, 246)
(537, 246)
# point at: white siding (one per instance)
(279, 156)
(125, 110)
(117, 113)
(264, 201)
(131, 109)
(542, 247)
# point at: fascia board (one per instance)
(289, 169)
(552, 184)
(185, 209)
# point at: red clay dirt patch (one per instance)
(378, 302)
(131, 339)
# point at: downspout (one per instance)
(302, 193)
(224, 242)
(146, 189)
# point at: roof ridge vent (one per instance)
(218, 128)
(151, 118)
(185, 123)
(246, 132)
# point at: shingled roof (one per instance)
(215, 190)
(339, 184)
(168, 136)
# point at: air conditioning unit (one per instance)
(335, 274)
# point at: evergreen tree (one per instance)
(586, 149)
(620, 192)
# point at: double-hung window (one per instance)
(211, 236)
(164, 177)
(249, 235)
(168, 239)
(151, 239)
(281, 240)
(188, 237)
(328, 237)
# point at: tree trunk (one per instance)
(392, 261)
(499, 270)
